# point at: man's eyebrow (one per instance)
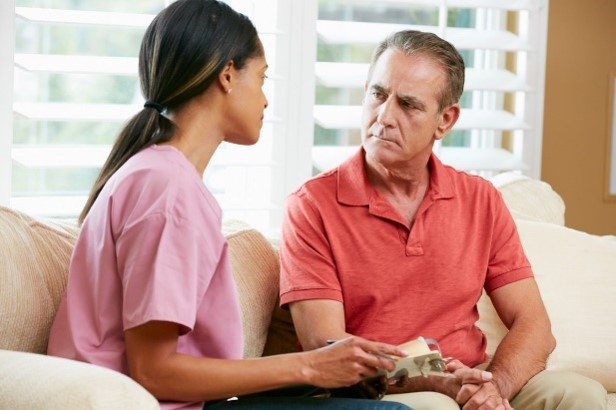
(379, 88)
(408, 100)
(412, 101)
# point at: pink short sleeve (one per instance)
(166, 266)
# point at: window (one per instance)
(75, 84)
(504, 51)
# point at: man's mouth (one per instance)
(382, 138)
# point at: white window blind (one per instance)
(503, 45)
(73, 68)
(256, 179)
(75, 84)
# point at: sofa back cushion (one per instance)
(254, 263)
(34, 257)
(529, 198)
(576, 274)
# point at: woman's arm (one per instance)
(154, 363)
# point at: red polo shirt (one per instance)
(342, 240)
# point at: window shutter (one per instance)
(503, 44)
(76, 84)
(251, 181)
(7, 48)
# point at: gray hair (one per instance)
(444, 53)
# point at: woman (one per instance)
(150, 292)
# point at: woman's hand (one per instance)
(348, 362)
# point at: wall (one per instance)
(581, 53)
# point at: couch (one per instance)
(576, 273)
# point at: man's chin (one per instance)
(379, 147)
(381, 155)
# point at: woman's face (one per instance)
(247, 103)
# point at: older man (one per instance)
(393, 245)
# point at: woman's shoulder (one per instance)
(160, 181)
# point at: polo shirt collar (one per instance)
(354, 190)
(441, 184)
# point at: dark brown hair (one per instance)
(182, 52)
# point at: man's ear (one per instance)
(226, 77)
(446, 120)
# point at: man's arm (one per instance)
(524, 350)
(318, 320)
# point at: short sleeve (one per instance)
(307, 268)
(165, 267)
(508, 262)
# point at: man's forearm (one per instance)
(517, 358)
(317, 321)
(523, 352)
(445, 385)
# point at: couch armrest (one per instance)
(33, 381)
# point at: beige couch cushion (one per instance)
(254, 263)
(576, 273)
(530, 199)
(34, 381)
(35, 254)
(34, 257)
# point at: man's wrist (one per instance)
(451, 387)
(498, 384)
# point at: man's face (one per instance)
(400, 118)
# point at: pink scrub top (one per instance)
(151, 248)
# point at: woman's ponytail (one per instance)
(182, 52)
(147, 127)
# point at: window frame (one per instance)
(523, 122)
(293, 146)
(7, 52)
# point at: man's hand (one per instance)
(472, 388)
(450, 386)
(475, 393)
(485, 396)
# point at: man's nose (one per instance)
(386, 112)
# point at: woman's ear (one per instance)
(226, 78)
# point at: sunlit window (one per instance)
(500, 126)
(73, 65)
